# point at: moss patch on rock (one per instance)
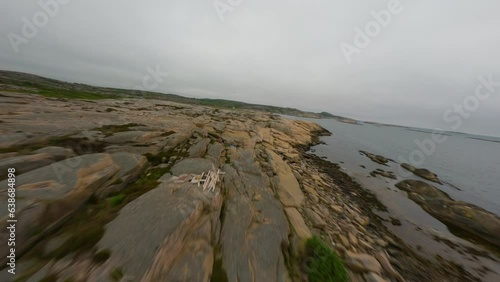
(323, 265)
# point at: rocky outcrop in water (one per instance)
(376, 158)
(422, 172)
(453, 213)
(384, 173)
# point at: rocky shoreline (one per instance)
(104, 197)
(407, 263)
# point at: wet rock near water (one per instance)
(376, 158)
(383, 173)
(422, 172)
(458, 214)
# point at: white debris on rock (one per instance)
(208, 180)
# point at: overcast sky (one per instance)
(427, 58)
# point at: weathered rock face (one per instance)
(192, 166)
(255, 226)
(316, 220)
(298, 224)
(48, 195)
(376, 158)
(39, 158)
(25, 163)
(459, 214)
(179, 221)
(287, 186)
(362, 263)
(422, 172)
(199, 149)
(214, 152)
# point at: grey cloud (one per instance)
(275, 52)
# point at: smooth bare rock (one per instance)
(365, 245)
(363, 221)
(324, 211)
(382, 257)
(199, 149)
(192, 166)
(254, 233)
(265, 134)
(16, 139)
(286, 183)
(57, 153)
(293, 132)
(239, 138)
(315, 219)
(131, 167)
(312, 193)
(353, 239)
(214, 152)
(165, 178)
(48, 195)
(25, 163)
(459, 214)
(313, 198)
(171, 230)
(178, 138)
(373, 277)
(338, 209)
(195, 258)
(344, 241)
(355, 277)
(298, 224)
(362, 263)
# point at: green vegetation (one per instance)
(116, 200)
(49, 278)
(101, 256)
(116, 274)
(218, 272)
(83, 239)
(323, 264)
(72, 94)
(167, 133)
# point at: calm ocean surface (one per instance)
(469, 167)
